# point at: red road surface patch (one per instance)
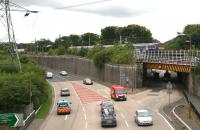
(86, 95)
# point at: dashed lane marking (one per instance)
(66, 117)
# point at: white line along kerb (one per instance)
(166, 121)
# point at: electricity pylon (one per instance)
(8, 40)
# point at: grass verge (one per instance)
(47, 105)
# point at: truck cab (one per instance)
(118, 92)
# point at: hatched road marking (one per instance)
(86, 95)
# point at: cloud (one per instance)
(108, 8)
(112, 11)
(46, 3)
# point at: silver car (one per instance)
(64, 92)
(143, 117)
(63, 73)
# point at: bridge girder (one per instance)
(169, 67)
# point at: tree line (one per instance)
(189, 38)
(109, 35)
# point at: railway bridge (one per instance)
(179, 60)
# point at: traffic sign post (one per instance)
(11, 119)
(169, 89)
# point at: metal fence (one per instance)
(180, 57)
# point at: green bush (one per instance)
(9, 68)
(93, 51)
(123, 57)
(15, 87)
(102, 57)
(72, 51)
(82, 52)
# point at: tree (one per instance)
(136, 34)
(193, 31)
(75, 40)
(89, 39)
(64, 41)
(109, 35)
(42, 45)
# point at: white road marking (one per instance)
(166, 121)
(54, 102)
(83, 109)
(86, 124)
(122, 115)
(66, 117)
(126, 123)
(85, 116)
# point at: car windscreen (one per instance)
(88, 80)
(107, 104)
(143, 114)
(120, 91)
(65, 90)
(63, 104)
(109, 117)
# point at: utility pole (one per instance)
(89, 40)
(120, 39)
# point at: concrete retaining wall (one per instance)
(116, 74)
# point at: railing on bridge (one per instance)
(179, 57)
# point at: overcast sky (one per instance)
(164, 18)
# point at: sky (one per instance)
(164, 18)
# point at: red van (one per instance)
(118, 92)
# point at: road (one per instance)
(86, 109)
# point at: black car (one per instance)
(87, 81)
(108, 118)
(107, 104)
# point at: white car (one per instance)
(49, 75)
(87, 81)
(143, 117)
(64, 92)
(63, 73)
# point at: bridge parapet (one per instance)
(178, 57)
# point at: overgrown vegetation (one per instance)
(19, 89)
(117, 54)
(190, 36)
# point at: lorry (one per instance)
(118, 92)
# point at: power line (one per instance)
(82, 4)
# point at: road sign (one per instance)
(11, 119)
(169, 87)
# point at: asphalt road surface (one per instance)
(85, 100)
